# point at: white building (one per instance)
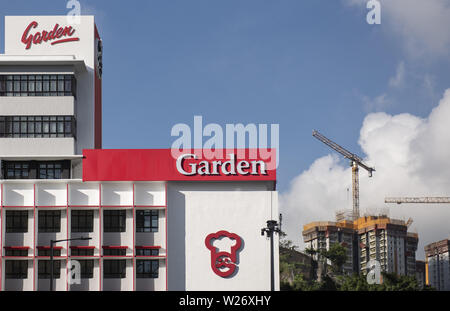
(151, 227)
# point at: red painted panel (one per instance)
(160, 165)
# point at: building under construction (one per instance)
(437, 266)
(367, 238)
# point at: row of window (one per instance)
(37, 85)
(37, 126)
(36, 169)
(112, 269)
(82, 221)
(79, 252)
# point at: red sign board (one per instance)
(163, 165)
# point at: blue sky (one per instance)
(310, 64)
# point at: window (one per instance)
(37, 126)
(37, 85)
(16, 221)
(114, 252)
(18, 170)
(45, 252)
(147, 221)
(49, 221)
(16, 269)
(82, 252)
(114, 220)
(36, 169)
(147, 269)
(114, 269)
(87, 268)
(50, 170)
(9, 252)
(82, 221)
(44, 267)
(147, 252)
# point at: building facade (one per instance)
(126, 219)
(438, 265)
(389, 242)
(368, 238)
(420, 273)
(320, 236)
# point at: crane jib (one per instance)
(349, 155)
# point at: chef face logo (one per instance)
(224, 263)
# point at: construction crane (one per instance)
(400, 200)
(355, 163)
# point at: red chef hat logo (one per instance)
(224, 263)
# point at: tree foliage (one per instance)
(336, 280)
(337, 254)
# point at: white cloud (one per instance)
(410, 155)
(380, 102)
(429, 85)
(422, 25)
(399, 79)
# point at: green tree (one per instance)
(337, 254)
(313, 264)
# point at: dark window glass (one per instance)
(82, 221)
(16, 170)
(35, 170)
(49, 221)
(45, 252)
(44, 267)
(114, 220)
(37, 126)
(87, 268)
(114, 269)
(37, 85)
(16, 221)
(147, 269)
(16, 269)
(16, 252)
(147, 221)
(147, 252)
(114, 252)
(82, 252)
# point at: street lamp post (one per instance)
(53, 242)
(272, 226)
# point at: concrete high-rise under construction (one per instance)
(367, 238)
(437, 256)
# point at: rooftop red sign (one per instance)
(55, 36)
(162, 165)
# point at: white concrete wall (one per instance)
(195, 210)
(84, 49)
(37, 146)
(37, 106)
(195, 213)
(82, 196)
